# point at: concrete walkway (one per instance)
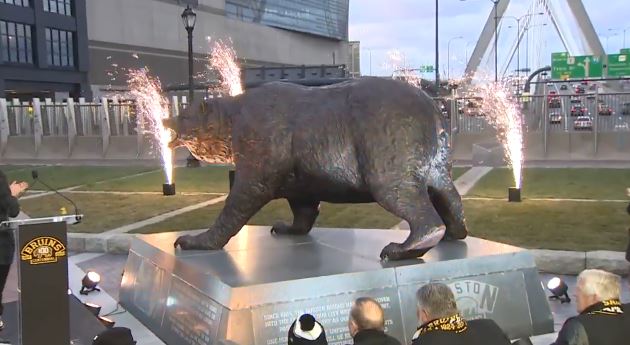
(463, 184)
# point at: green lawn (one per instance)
(106, 211)
(457, 172)
(566, 183)
(562, 225)
(370, 216)
(207, 179)
(68, 176)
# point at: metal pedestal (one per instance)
(251, 292)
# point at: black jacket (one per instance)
(374, 337)
(602, 323)
(456, 331)
(9, 207)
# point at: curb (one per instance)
(548, 261)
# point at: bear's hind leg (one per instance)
(413, 205)
(448, 204)
(304, 215)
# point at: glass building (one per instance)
(327, 18)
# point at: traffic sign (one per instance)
(625, 51)
(559, 67)
(619, 65)
(427, 69)
(565, 66)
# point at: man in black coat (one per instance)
(9, 207)
(367, 323)
(442, 324)
(601, 318)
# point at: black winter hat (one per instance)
(306, 330)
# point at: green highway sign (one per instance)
(559, 67)
(426, 69)
(565, 66)
(619, 65)
(625, 51)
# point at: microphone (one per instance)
(35, 176)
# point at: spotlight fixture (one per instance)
(95, 309)
(106, 322)
(168, 189)
(559, 290)
(514, 194)
(90, 282)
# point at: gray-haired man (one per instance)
(441, 322)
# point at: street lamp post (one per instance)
(496, 39)
(448, 56)
(518, 45)
(437, 50)
(189, 17)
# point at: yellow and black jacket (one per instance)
(602, 323)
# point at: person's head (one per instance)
(307, 331)
(435, 300)
(594, 286)
(365, 314)
(114, 336)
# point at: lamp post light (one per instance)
(448, 56)
(437, 51)
(496, 39)
(518, 45)
(189, 17)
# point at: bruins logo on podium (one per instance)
(43, 250)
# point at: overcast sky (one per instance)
(409, 26)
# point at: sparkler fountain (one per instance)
(503, 113)
(152, 108)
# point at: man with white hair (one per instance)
(442, 324)
(601, 319)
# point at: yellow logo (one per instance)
(43, 250)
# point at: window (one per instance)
(15, 42)
(63, 7)
(60, 47)
(23, 3)
(328, 18)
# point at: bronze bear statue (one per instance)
(359, 141)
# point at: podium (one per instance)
(42, 265)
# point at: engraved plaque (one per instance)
(149, 292)
(191, 317)
(494, 296)
(272, 322)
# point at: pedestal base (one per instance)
(251, 292)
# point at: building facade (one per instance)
(135, 33)
(354, 59)
(43, 49)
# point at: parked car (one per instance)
(625, 109)
(580, 89)
(564, 87)
(604, 109)
(552, 94)
(576, 100)
(583, 123)
(555, 118)
(579, 110)
(584, 82)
